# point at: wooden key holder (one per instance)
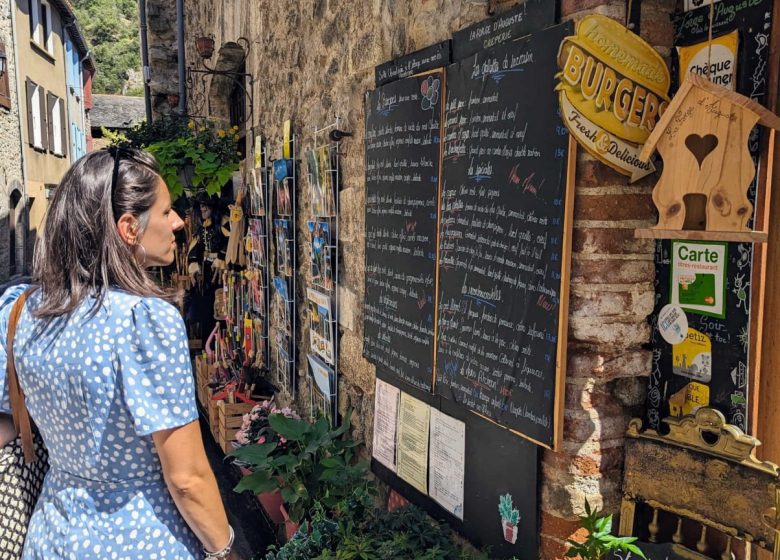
(703, 140)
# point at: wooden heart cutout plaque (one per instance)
(701, 146)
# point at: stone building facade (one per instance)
(315, 59)
(12, 194)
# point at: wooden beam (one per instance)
(767, 350)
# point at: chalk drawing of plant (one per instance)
(510, 517)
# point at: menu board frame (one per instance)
(477, 384)
(567, 218)
(438, 74)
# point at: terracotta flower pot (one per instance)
(510, 531)
(290, 526)
(272, 504)
(271, 501)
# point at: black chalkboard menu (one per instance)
(403, 123)
(525, 18)
(429, 58)
(503, 226)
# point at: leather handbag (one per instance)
(23, 461)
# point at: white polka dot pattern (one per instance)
(98, 387)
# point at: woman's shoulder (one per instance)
(134, 302)
(9, 293)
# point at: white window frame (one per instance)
(35, 21)
(41, 25)
(56, 127)
(35, 108)
(48, 34)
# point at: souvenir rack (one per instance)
(286, 264)
(261, 210)
(324, 194)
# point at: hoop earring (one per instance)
(143, 258)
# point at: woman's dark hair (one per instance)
(80, 252)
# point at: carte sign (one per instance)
(698, 278)
(612, 90)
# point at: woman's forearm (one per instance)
(200, 504)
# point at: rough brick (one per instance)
(585, 465)
(571, 7)
(606, 304)
(591, 173)
(614, 207)
(655, 23)
(629, 331)
(593, 429)
(613, 241)
(608, 365)
(592, 399)
(611, 271)
(551, 548)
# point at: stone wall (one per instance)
(11, 176)
(314, 59)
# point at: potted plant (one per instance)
(257, 429)
(317, 465)
(599, 541)
(360, 531)
(193, 156)
(510, 517)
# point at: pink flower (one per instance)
(282, 439)
(241, 438)
(261, 439)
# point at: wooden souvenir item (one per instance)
(703, 140)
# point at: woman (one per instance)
(104, 363)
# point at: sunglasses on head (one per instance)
(116, 153)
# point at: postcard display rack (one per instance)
(322, 163)
(259, 272)
(284, 309)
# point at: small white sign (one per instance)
(673, 324)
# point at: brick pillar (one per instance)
(611, 296)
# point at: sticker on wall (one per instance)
(613, 87)
(718, 63)
(510, 518)
(689, 399)
(286, 134)
(693, 357)
(693, 4)
(739, 376)
(672, 324)
(698, 277)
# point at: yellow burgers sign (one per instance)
(612, 90)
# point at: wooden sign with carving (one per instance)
(703, 140)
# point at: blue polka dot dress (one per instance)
(98, 387)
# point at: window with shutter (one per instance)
(29, 89)
(44, 118)
(47, 41)
(53, 115)
(5, 91)
(63, 129)
(35, 16)
(36, 111)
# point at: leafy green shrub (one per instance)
(600, 541)
(362, 532)
(192, 156)
(317, 466)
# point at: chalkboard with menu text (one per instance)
(403, 124)
(505, 237)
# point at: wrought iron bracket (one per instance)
(200, 77)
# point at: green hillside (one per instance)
(111, 28)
